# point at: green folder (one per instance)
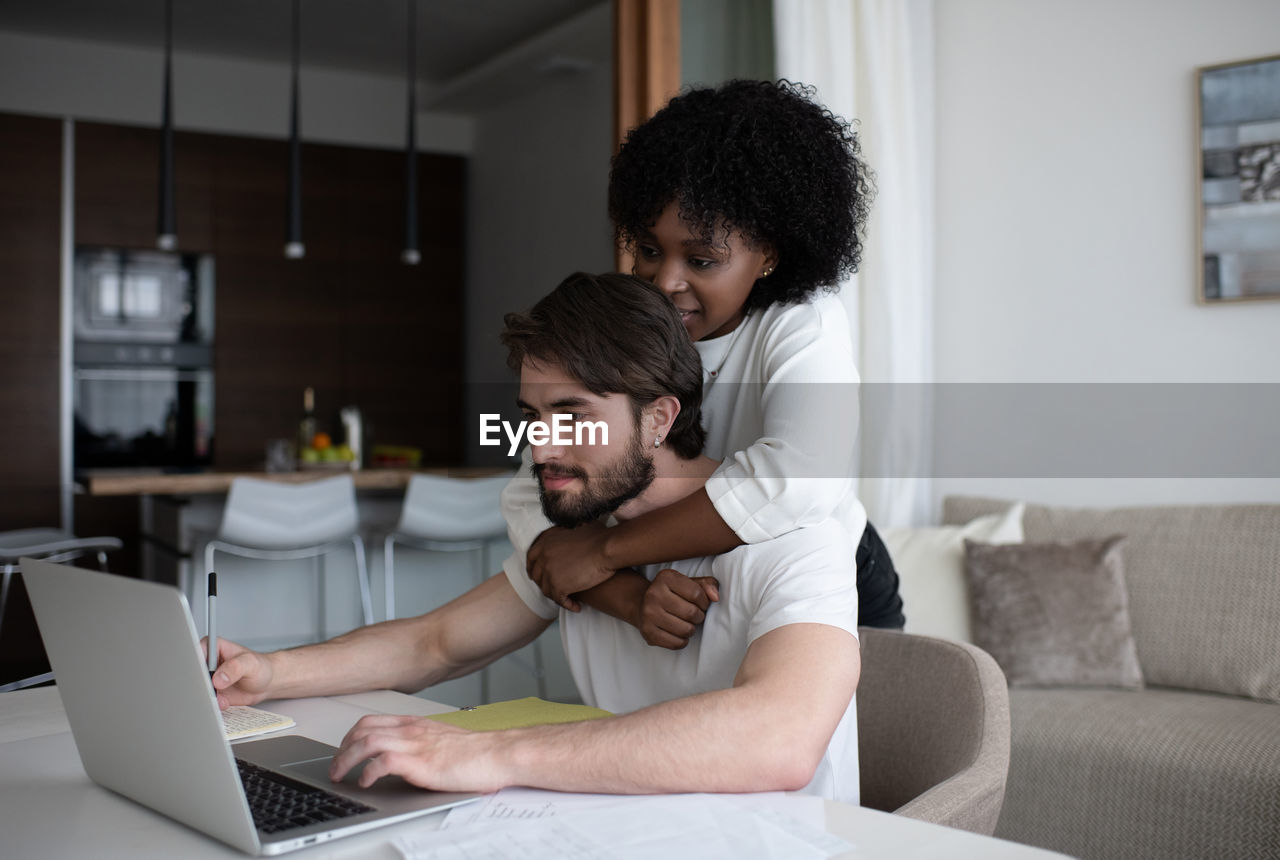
(513, 714)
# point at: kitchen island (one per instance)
(155, 482)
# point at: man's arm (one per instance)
(768, 732)
(409, 654)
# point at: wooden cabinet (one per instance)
(349, 319)
(30, 285)
(118, 186)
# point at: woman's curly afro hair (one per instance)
(758, 157)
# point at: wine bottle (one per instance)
(307, 424)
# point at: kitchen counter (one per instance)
(116, 482)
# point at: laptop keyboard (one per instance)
(279, 803)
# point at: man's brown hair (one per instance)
(616, 334)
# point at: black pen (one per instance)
(211, 606)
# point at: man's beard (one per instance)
(616, 485)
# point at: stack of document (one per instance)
(523, 823)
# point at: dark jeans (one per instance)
(879, 604)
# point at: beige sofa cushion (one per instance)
(1152, 774)
(930, 565)
(1054, 614)
(1203, 582)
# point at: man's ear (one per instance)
(658, 418)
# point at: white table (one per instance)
(49, 808)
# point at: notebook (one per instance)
(240, 721)
(133, 681)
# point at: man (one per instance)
(760, 699)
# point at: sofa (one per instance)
(1176, 752)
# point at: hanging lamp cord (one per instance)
(294, 247)
(166, 221)
(411, 255)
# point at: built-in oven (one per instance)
(143, 359)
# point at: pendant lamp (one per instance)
(166, 221)
(294, 249)
(410, 255)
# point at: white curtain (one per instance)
(872, 60)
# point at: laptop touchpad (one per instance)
(317, 771)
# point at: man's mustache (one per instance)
(540, 469)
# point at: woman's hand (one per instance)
(673, 606)
(565, 561)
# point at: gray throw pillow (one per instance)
(1054, 614)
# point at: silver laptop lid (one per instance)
(131, 673)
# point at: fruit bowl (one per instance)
(330, 466)
(321, 455)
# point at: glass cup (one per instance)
(280, 456)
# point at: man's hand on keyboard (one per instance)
(427, 753)
(242, 677)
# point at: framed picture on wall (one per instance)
(1238, 119)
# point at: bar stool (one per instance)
(447, 515)
(55, 545)
(454, 515)
(276, 521)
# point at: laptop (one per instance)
(135, 686)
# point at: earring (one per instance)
(657, 442)
(767, 272)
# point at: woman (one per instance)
(741, 203)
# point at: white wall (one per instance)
(109, 83)
(538, 191)
(1066, 212)
(539, 186)
(725, 39)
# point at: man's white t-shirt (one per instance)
(803, 577)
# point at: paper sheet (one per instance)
(522, 823)
(518, 803)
